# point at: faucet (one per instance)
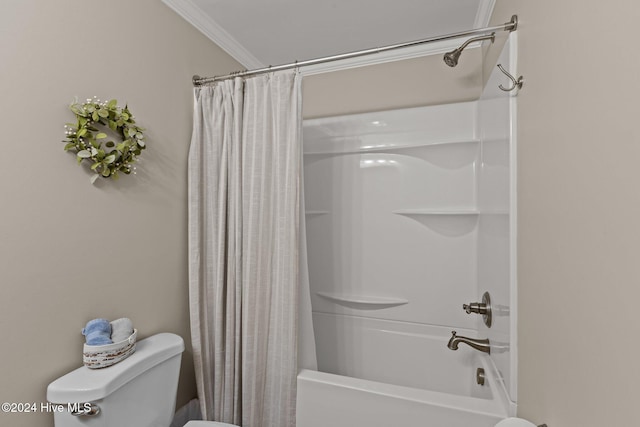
(480, 345)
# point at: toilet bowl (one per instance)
(139, 391)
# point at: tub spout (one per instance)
(480, 345)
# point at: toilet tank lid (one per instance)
(86, 385)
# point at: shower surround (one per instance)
(409, 214)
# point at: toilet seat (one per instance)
(207, 424)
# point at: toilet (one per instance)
(140, 391)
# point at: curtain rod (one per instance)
(508, 26)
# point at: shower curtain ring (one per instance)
(516, 83)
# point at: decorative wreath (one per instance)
(108, 157)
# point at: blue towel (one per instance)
(98, 332)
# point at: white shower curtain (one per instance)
(244, 207)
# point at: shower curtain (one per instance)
(244, 218)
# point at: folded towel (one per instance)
(121, 329)
(97, 332)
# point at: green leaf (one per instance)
(112, 103)
(101, 135)
(81, 132)
(121, 146)
(95, 116)
(84, 154)
(69, 145)
(103, 113)
(141, 143)
(131, 132)
(110, 144)
(95, 166)
(110, 159)
(112, 125)
(106, 172)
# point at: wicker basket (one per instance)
(101, 356)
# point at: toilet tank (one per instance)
(140, 391)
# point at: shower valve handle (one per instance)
(475, 307)
(483, 308)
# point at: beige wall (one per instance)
(401, 84)
(70, 251)
(579, 204)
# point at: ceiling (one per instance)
(258, 33)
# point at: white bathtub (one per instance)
(425, 384)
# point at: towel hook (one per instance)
(516, 83)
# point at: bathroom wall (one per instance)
(71, 251)
(391, 222)
(401, 84)
(578, 210)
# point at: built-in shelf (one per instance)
(495, 212)
(448, 222)
(314, 213)
(389, 148)
(365, 301)
(453, 212)
(409, 212)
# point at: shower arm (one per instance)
(491, 37)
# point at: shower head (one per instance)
(451, 58)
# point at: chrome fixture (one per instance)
(515, 83)
(480, 376)
(451, 58)
(480, 345)
(85, 410)
(483, 308)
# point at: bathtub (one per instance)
(373, 384)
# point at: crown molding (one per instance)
(195, 16)
(485, 9)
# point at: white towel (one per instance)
(121, 329)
